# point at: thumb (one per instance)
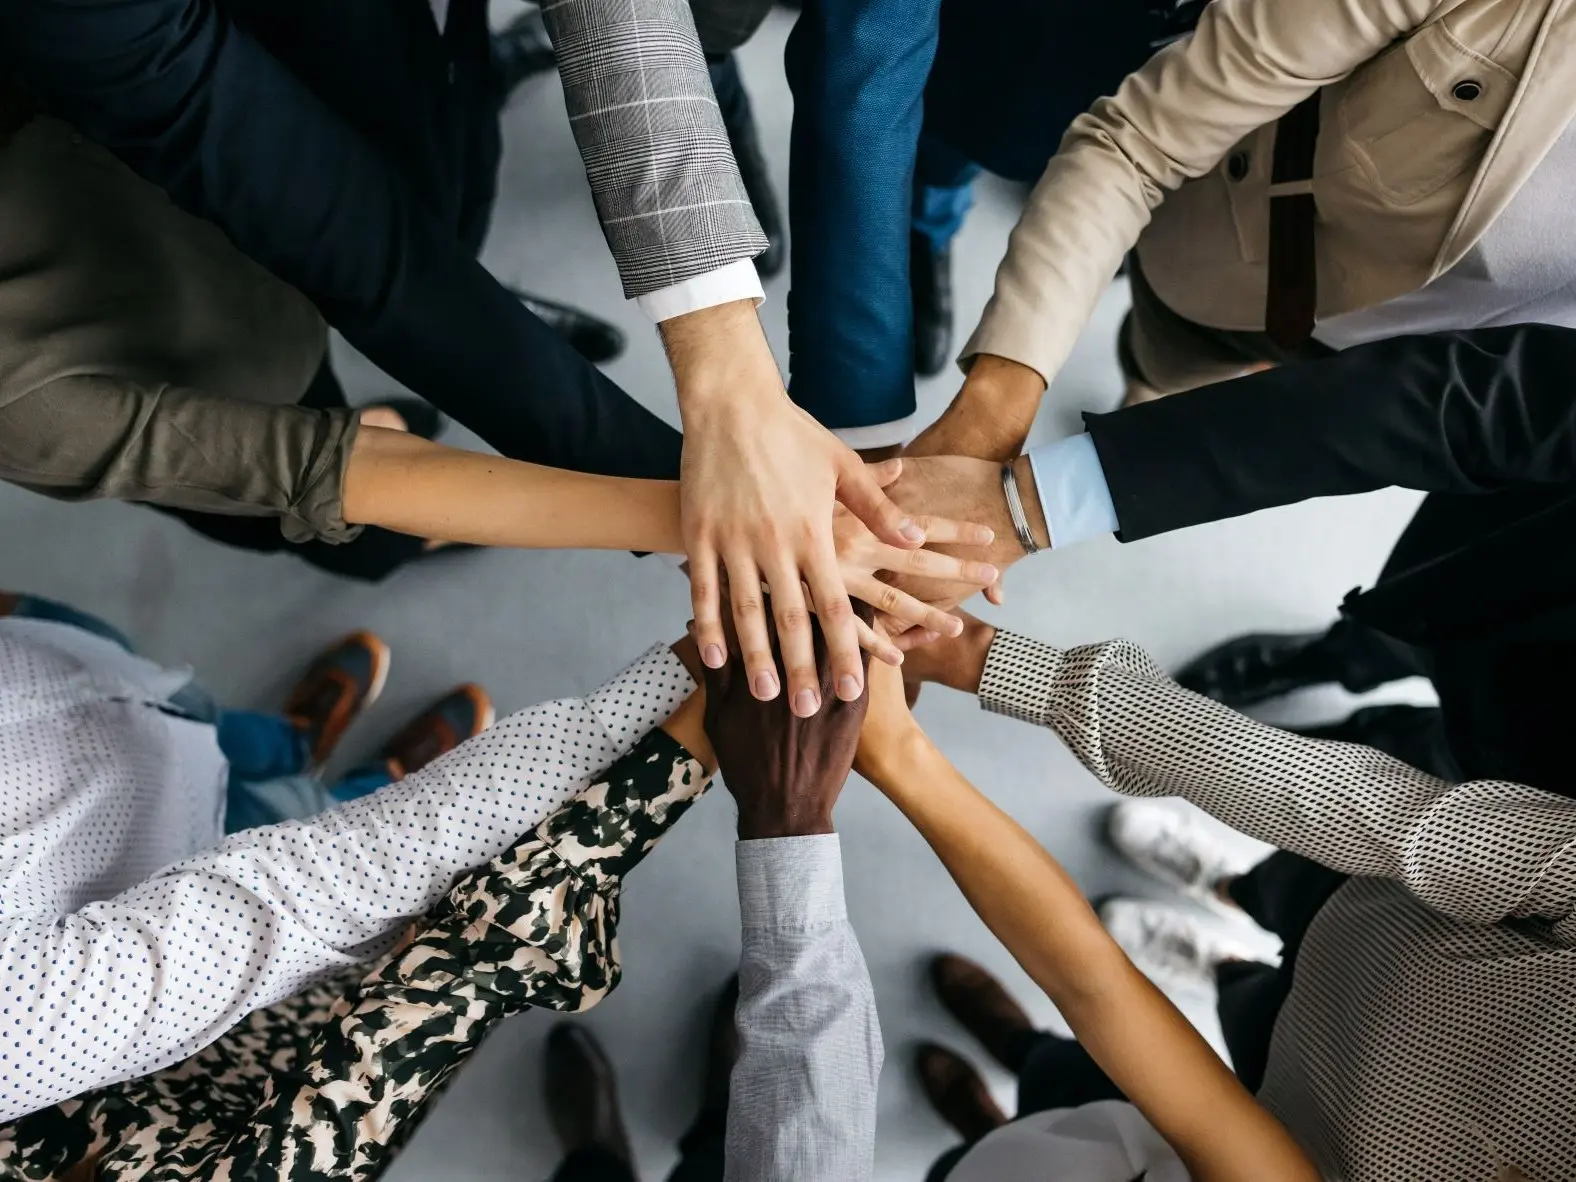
(864, 497)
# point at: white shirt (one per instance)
(1522, 271)
(1106, 1141)
(114, 963)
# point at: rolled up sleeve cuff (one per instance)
(791, 882)
(1073, 490)
(728, 283)
(317, 511)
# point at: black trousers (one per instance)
(1282, 894)
(700, 1156)
(428, 101)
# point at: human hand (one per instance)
(889, 724)
(957, 662)
(759, 481)
(930, 574)
(968, 489)
(989, 418)
(784, 771)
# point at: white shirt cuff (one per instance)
(734, 281)
(896, 433)
(1074, 493)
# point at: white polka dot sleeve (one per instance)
(1480, 851)
(126, 986)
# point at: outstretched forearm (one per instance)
(404, 483)
(1132, 1031)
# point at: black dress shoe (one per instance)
(1258, 667)
(930, 281)
(520, 50)
(595, 340)
(582, 1094)
(739, 119)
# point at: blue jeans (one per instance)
(270, 774)
(943, 191)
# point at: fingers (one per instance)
(792, 616)
(996, 593)
(928, 564)
(878, 644)
(837, 622)
(749, 619)
(915, 638)
(706, 604)
(863, 495)
(885, 472)
(903, 607)
(940, 530)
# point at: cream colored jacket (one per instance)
(1433, 114)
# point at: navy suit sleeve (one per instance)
(1465, 412)
(857, 69)
(201, 109)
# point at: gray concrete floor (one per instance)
(533, 626)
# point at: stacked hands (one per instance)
(955, 504)
(913, 537)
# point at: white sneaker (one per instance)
(1169, 943)
(1171, 846)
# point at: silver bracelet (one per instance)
(1020, 519)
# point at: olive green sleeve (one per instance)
(86, 437)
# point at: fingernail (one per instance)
(848, 687)
(766, 686)
(911, 531)
(712, 655)
(931, 637)
(986, 535)
(954, 627)
(989, 574)
(806, 703)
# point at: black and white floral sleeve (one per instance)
(329, 1084)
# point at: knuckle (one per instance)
(791, 619)
(837, 609)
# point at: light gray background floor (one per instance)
(532, 626)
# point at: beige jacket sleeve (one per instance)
(1247, 64)
(84, 438)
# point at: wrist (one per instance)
(998, 400)
(890, 764)
(1029, 494)
(768, 823)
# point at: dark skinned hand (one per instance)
(784, 772)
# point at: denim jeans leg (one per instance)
(943, 191)
(261, 746)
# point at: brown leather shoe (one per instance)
(343, 681)
(984, 1007)
(462, 713)
(957, 1093)
(582, 1094)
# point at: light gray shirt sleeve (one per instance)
(802, 1105)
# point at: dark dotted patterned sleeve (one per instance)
(329, 1084)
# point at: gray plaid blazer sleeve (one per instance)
(644, 115)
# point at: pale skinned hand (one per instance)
(930, 577)
(759, 481)
(889, 723)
